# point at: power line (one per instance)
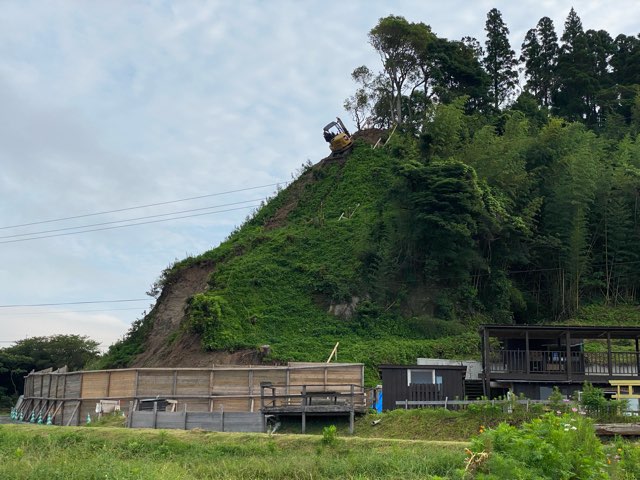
(73, 303)
(123, 226)
(64, 312)
(129, 219)
(143, 206)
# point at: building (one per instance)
(531, 360)
(421, 383)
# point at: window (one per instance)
(422, 377)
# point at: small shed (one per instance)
(421, 383)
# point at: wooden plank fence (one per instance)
(70, 397)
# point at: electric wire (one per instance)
(64, 312)
(84, 302)
(128, 225)
(144, 206)
(130, 219)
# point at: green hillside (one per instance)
(276, 278)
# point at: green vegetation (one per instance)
(28, 452)
(38, 353)
(553, 447)
(478, 209)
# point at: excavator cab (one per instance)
(338, 137)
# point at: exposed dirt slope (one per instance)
(168, 315)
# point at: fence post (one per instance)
(222, 418)
(130, 418)
(406, 404)
(155, 414)
(304, 408)
(446, 400)
(185, 416)
(351, 413)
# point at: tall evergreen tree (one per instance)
(530, 56)
(548, 59)
(573, 64)
(500, 60)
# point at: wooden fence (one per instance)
(69, 397)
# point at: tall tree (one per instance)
(530, 56)
(359, 104)
(457, 72)
(548, 59)
(572, 71)
(392, 40)
(500, 60)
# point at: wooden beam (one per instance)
(108, 385)
(136, 383)
(334, 352)
(250, 389)
(174, 387)
(73, 413)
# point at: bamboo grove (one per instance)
(520, 175)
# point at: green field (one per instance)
(38, 452)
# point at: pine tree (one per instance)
(548, 59)
(530, 56)
(573, 65)
(499, 61)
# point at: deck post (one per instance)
(568, 355)
(609, 359)
(637, 358)
(526, 352)
(486, 363)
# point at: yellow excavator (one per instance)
(338, 137)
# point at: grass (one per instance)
(36, 452)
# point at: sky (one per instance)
(111, 105)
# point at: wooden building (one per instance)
(532, 359)
(70, 396)
(421, 383)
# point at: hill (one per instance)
(482, 206)
(300, 276)
(401, 251)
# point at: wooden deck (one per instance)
(313, 400)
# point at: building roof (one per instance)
(555, 331)
(423, 367)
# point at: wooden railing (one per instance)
(276, 396)
(555, 362)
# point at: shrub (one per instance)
(329, 435)
(551, 447)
